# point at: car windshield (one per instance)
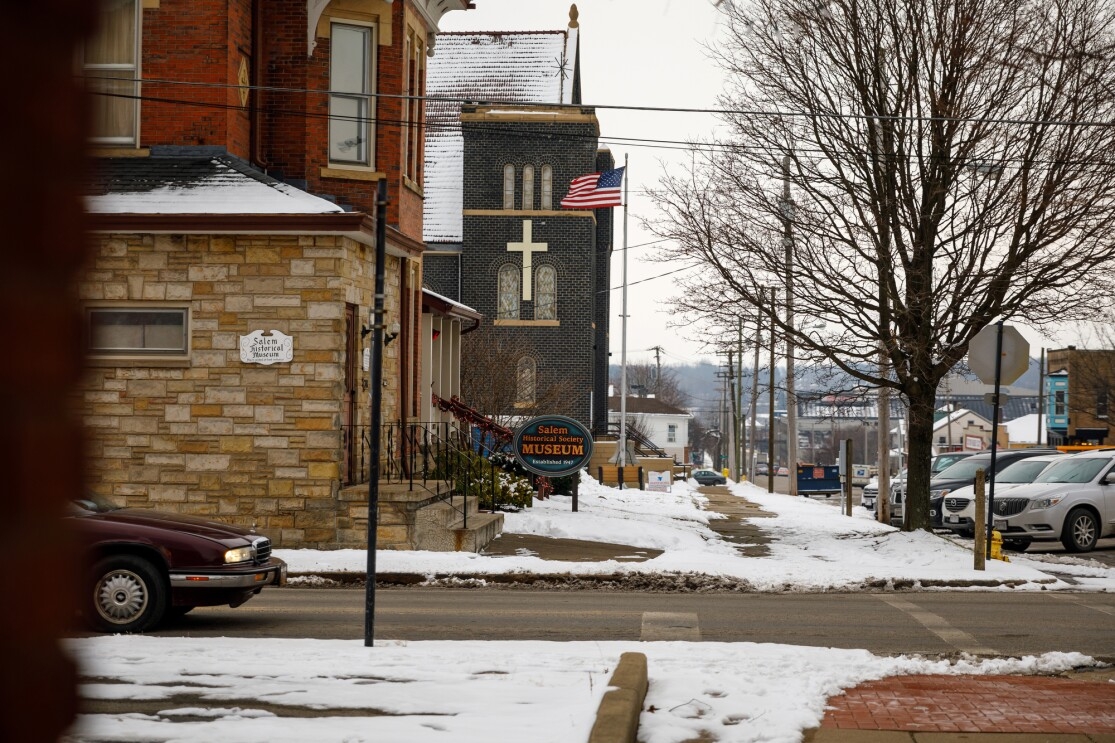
(1074, 470)
(1024, 470)
(943, 461)
(965, 469)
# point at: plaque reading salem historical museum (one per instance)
(257, 348)
(553, 445)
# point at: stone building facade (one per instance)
(238, 159)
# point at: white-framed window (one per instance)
(1059, 402)
(110, 65)
(528, 187)
(351, 85)
(671, 433)
(138, 331)
(547, 188)
(508, 283)
(545, 293)
(508, 186)
(525, 373)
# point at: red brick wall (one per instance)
(196, 42)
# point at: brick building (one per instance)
(239, 147)
(1079, 385)
(497, 239)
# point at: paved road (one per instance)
(932, 623)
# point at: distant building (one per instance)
(666, 426)
(1078, 387)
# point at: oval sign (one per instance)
(552, 445)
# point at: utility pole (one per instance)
(657, 366)
(733, 438)
(791, 398)
(739, 406)
(770, 395)
(753, 452)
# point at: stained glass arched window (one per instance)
(508, 186)
(508, 282)
(547, 190)
(528, 187)
(545, 293)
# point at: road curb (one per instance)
(617, 719)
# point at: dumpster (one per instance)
(821, 479)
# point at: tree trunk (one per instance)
(922, 399)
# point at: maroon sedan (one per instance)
(145, 566)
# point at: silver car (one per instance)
(1073, 500)
(959, 506)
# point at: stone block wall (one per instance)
(209, 435)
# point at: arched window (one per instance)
(525, 382)
(508, 186)
(508, 308)
(528, 187)
(547, 187)
(545, 293)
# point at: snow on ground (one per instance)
(202, 690)
(815, 546)
(199, 690)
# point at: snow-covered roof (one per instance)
(205, 184)
(1025, 430)
(513, 67)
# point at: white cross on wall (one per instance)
(527, 247)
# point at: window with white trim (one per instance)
(110, 65)
(138, 331)
(671, 433)
(351, 81)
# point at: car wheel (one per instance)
(1081, 531)
(127, 595)
(1017, 545)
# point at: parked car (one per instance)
(709, 477)
(963, 473)
(897, 494)
(869, 493)
(144, 566)
(1072, 500)
(761, 468)
(942, 462)
(959, 506)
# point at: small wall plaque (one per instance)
(257, 348)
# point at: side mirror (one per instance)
(1109, 478)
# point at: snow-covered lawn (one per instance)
(244, 690)
(815, 547)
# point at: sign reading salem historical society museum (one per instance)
(257, 348)
(553, 445)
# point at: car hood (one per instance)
(214, 530)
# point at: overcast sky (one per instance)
(644, 53)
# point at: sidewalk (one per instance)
(899, 709)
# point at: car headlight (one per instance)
(1046, 502)
(240, 554)
(939, 493)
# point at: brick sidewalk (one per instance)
(976, 704)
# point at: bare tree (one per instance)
(950, 163)
(490, 379)
(652, 379)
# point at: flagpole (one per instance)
(621, 460)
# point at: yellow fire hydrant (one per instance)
(997, 547)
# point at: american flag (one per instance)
(595, 191)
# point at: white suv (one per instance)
(1072, 500)
(959, 506)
